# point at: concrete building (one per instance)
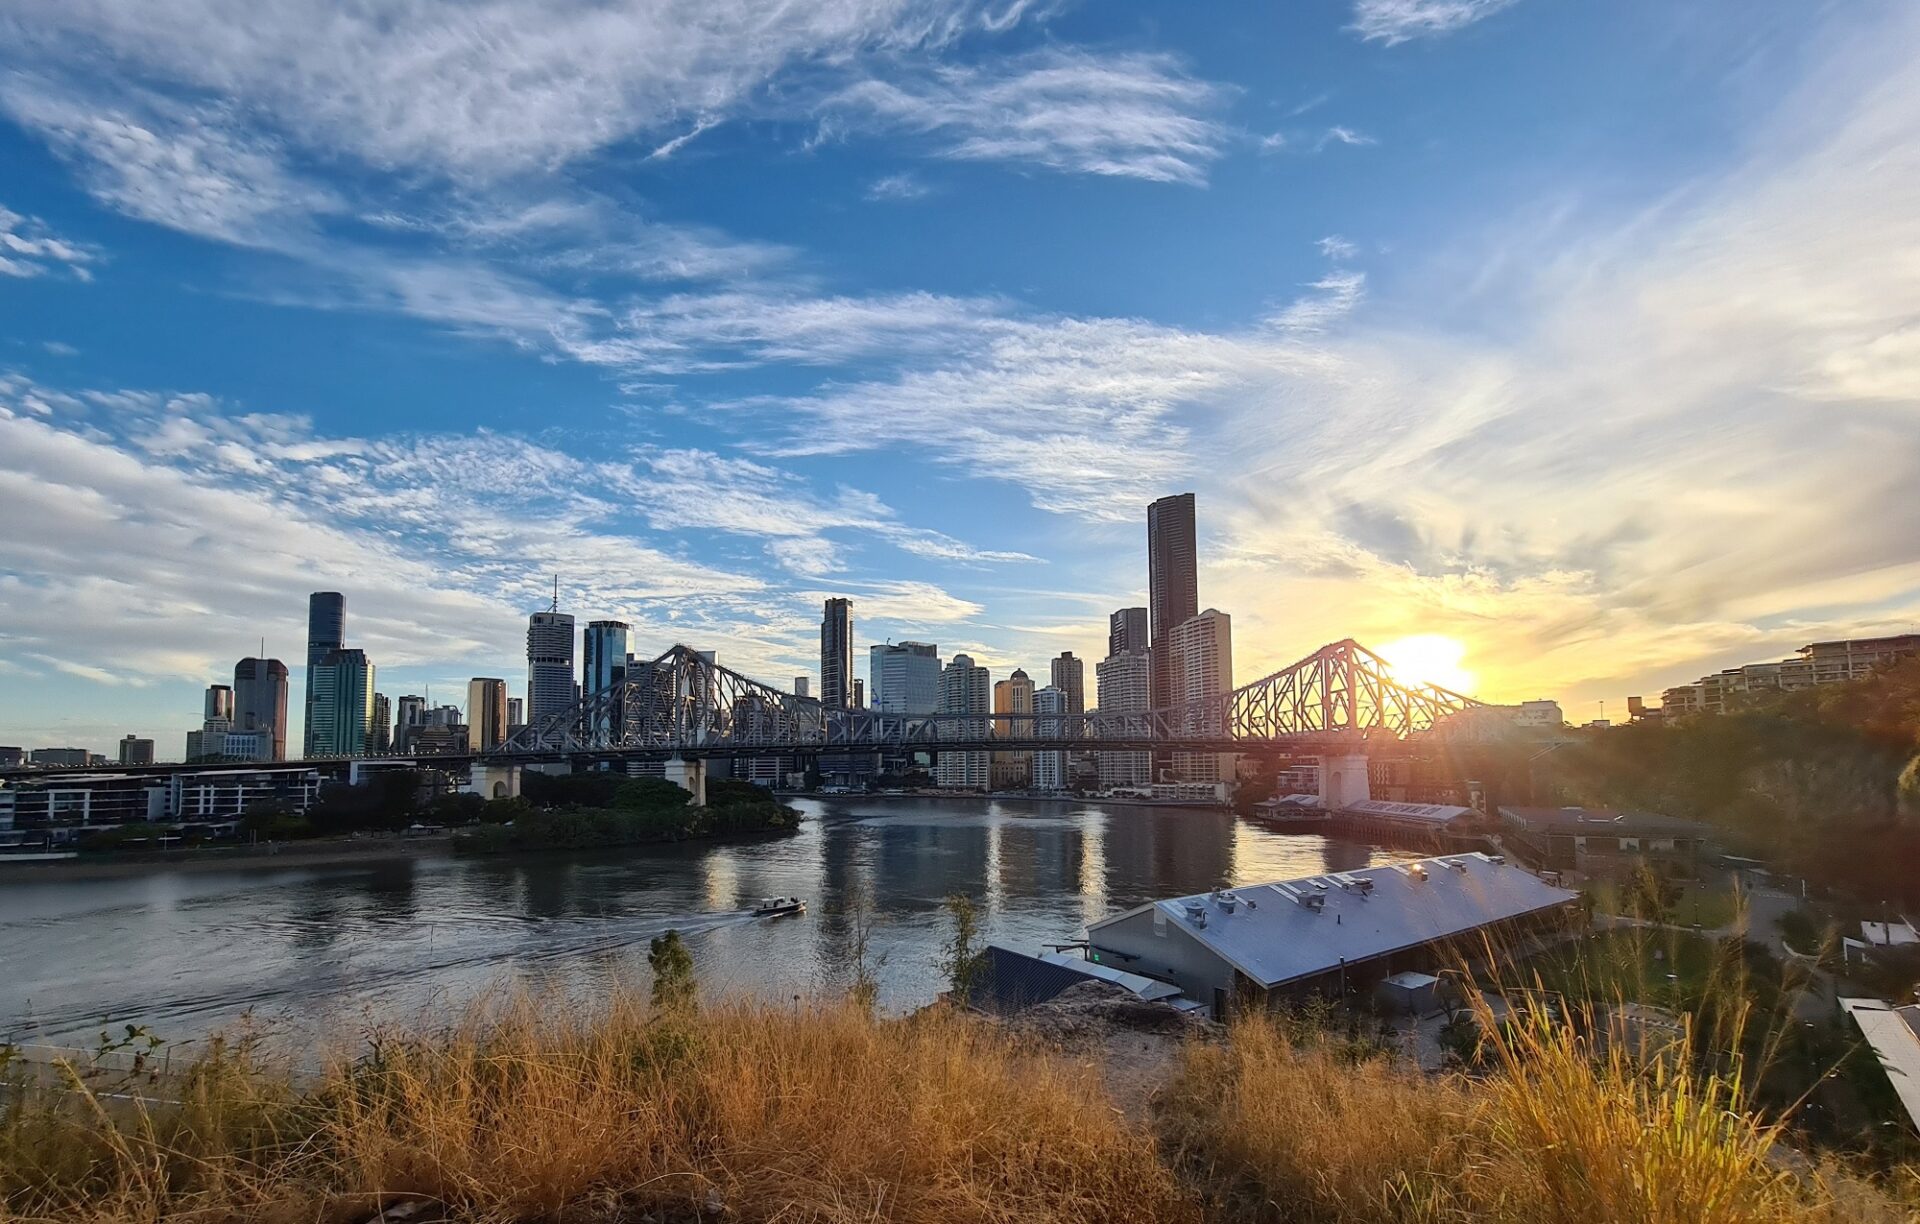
(1339, 934)
(803, 686)
(487, 712)
(859, 693)
(1069, 675)
(965, 689)
(1050, 768)
(60, 758)
(904, 677)
(1123, 686)
(220, 796)
(12, 756)
(1200, 667)
(53, 811)
(516, 714)
(550, 686)
(1816, 663)
(218, 704)
(135, 751)
(1602, 839)
(1127, 632)
(1173, 582)
(341, 707)
(326, 633)
(1539, 714)
(381, 732)
(409, 714)
(1014, 695)
(260, 702)
(836, 654)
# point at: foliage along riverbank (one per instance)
(585, 810)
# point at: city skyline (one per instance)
(1585, 393)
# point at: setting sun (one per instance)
(1429, 658)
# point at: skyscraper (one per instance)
(1014, 695)
(219, 704)
(260, 701)
(135, 751)
(603, 668)
(964, 689)
(380, 733)
(409, 713)
(859, 693)
(904, 677)
(550, 688)
(516, 712)
(1127, 632)
(1125, 684)
(1050, 768)
(487, 712)
(803, 686)
(1069, 675)
(836, 654)
(326, 633)
(341, 705)
(1201, 667)
(1173, 583)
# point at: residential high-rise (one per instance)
(135, 751)
(1069, 675)
(341, 686)
(603, 668)
(409, 714)
(550, 688)
(964, 689)
(1125, 683)
(380, 733)
(219, 704)
(1014, 695)
(260, 701)
(1050, 768)
(904, 677)
(1127, 632)
(487, 712)
(326, 633)
(1201, 667)
(516, 712)
(1173, 580)
(836, 654)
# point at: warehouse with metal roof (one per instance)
(1339, 933)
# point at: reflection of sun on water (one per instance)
(1429, 658)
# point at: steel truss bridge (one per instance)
(1340, 698)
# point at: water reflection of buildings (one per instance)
(1158, 852)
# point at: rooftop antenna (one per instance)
(556, 594)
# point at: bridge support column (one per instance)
(490, 781)
(1343, 781)
(690, 776)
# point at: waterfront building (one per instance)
(605, 648)
(1595, 839)
(1123, 688)
(1050, 768)
(550, 687)
(836, 653)
(1291, 939)
(1127, 632)
(1173, 582)
(222, 796)
(326, 633)
(381, 732)
(1200, 669)
(487, 713)
(135, 751)
(260, 702)
(63, 809)
(905, 677)
(341, 690)
(1816, 663)
(1014, 695)
(965, 689)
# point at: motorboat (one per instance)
(779, 907)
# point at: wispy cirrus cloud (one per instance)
(1398, 21)
(1133, 115)
(29, 247)
(902, 186)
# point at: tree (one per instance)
(648, 795)
(963, 960)
(674, 988)
(859, 914)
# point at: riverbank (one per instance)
(360, 851)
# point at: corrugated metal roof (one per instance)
(1894, 1034)
(1606, 822)
(1291, 929)
(1146, 987)
(1009, 981)
(1421, 813)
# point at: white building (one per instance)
(1049, 768)
(965, 689)
(1202, 668)
(903, 678)
(1540, 714)
(1123, 687)
(550, 686)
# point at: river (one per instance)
(322, 950)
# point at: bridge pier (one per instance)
(690, 776)
(492, 781)
(1344, 780)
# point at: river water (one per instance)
(311, 951)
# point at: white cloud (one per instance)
(1343, 136)
(1334, 247)
(897, 187)
(1397, 21)
(29, 248)
(1134, 115)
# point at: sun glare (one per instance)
(1429, 658)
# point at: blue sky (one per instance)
(1583, 334)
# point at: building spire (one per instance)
(556, 594)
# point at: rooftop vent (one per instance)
(1364, 884)
(1455, 865)
(1225, 899)
(1417, 870)
(1497, 859)
(1314, 901)
(1196, 913)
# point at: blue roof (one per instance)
(1292, 929)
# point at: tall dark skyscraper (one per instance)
(326, 633)
(603, 666)
(1127, 632)
(1173, 581)
(260, 701)
(1069, 675)
(836, 654)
